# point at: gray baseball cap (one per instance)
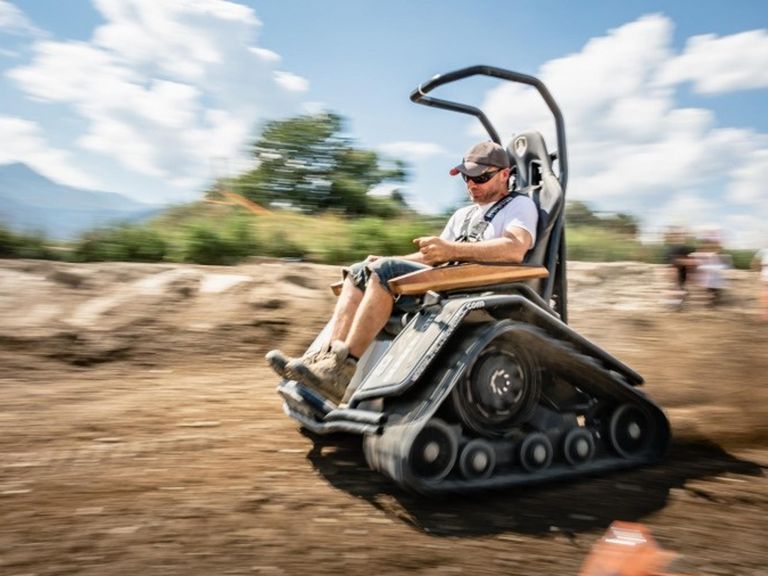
(481, 157)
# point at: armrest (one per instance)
(463, 276)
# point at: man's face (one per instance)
(492, 190)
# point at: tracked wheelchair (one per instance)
(487, 386)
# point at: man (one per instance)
(497, 227)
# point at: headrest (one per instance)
(526, 149)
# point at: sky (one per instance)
(664, 101)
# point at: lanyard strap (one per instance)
(465, 235)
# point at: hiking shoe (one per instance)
(328, 374)
(279, 361)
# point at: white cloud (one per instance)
(748, 185)
(384, 190)
(266, 54)
(412, 150)
(291, 82)
(27, 144)
(160, 86)
(631, 146)
(721, 64)
(175, 37)
(12, 20)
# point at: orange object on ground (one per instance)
(627, 549)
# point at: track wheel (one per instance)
(579, 446)
(630, 430)
(536, 452)
(477, 459)
(433, 452)
(500, 390)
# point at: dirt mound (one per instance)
(102, 312)
(140, 432)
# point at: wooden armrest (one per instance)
(463, 276)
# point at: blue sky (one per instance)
(664, 102)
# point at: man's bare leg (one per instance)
(341, 321)
(331, 374)
(345, 310)
(372, 315)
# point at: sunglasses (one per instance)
(482, 179)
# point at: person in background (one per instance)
(678, 256)
(760, 262)
(711, 263)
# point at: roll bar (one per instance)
(419, 96)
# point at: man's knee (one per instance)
(357, 275)
(376, 282)
(384, 270)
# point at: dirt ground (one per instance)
(140, 433)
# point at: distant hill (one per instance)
(30, 202)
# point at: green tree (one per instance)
(579, 214)
(308, 163)
(622, 223)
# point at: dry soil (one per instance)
(140, 433)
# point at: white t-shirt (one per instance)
(709, 269)
(521, 212)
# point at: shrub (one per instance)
(13, 245)
(8, 243)
(386, 237)
(124, 243)
(204, 246)
(280, 245)
(600, 245)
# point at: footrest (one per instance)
(323, 416)
(303, 399)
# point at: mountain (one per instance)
(30, 202)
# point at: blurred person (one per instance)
(498, 226)
(711, 263)
(760, 262)
(677, 255)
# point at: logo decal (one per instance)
(520, 145)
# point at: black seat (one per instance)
(536, 178)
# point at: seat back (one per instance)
(536, 178)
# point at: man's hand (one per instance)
(434, 250)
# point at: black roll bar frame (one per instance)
(556, 285)
(419, 96)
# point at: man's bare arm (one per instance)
(413, 257)
(511, 248)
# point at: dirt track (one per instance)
(140, 433)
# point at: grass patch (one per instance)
(206, 233)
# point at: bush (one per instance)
(14, 245)
(600, 245)
(228, 245)
(280, 245)
(125, 244)
(386, 237)
(204, 246)
(8, 244)
(742, 259)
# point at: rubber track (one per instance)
(585, 372)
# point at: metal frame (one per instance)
(555, 287)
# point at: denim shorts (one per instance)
(386, 269)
